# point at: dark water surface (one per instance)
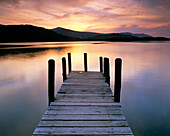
(145, 89)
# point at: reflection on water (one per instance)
(145, 91)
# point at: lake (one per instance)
(145, 94)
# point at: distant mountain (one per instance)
(91, 36)
(74, 34)
(29, 33)
(119, 37)
(136, 35)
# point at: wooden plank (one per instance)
(81, 97)
(88, 110)
(85, 95)
(86, 117)
(87, 81)
(83, 87)
(80, 135)
(85, 104)
(83, 112)
(86, 77)
(91, 79)
(82, 73)
(83, 92)
(107, 107)
(89, 84)
(84, 100)
(77, 91)
(83, 123)
(86, 89)
(78, 88)
(82, 130)
(99, 80)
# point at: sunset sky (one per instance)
(138, 16)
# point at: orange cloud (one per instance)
(85, 15)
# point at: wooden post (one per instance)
(107, 71)
(85, 62)
(117, 87)
(64, 68)
(69, 62)
(104, 74)
(101, 64)
(51, 79)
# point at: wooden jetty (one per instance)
(84, 106)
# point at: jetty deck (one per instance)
(84, 106)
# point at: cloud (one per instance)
(99, 15)
(59, 3)
(10, 1)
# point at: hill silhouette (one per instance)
(29, 33)
(74, 34)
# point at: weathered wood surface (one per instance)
(84, 106)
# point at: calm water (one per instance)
(145, 93)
